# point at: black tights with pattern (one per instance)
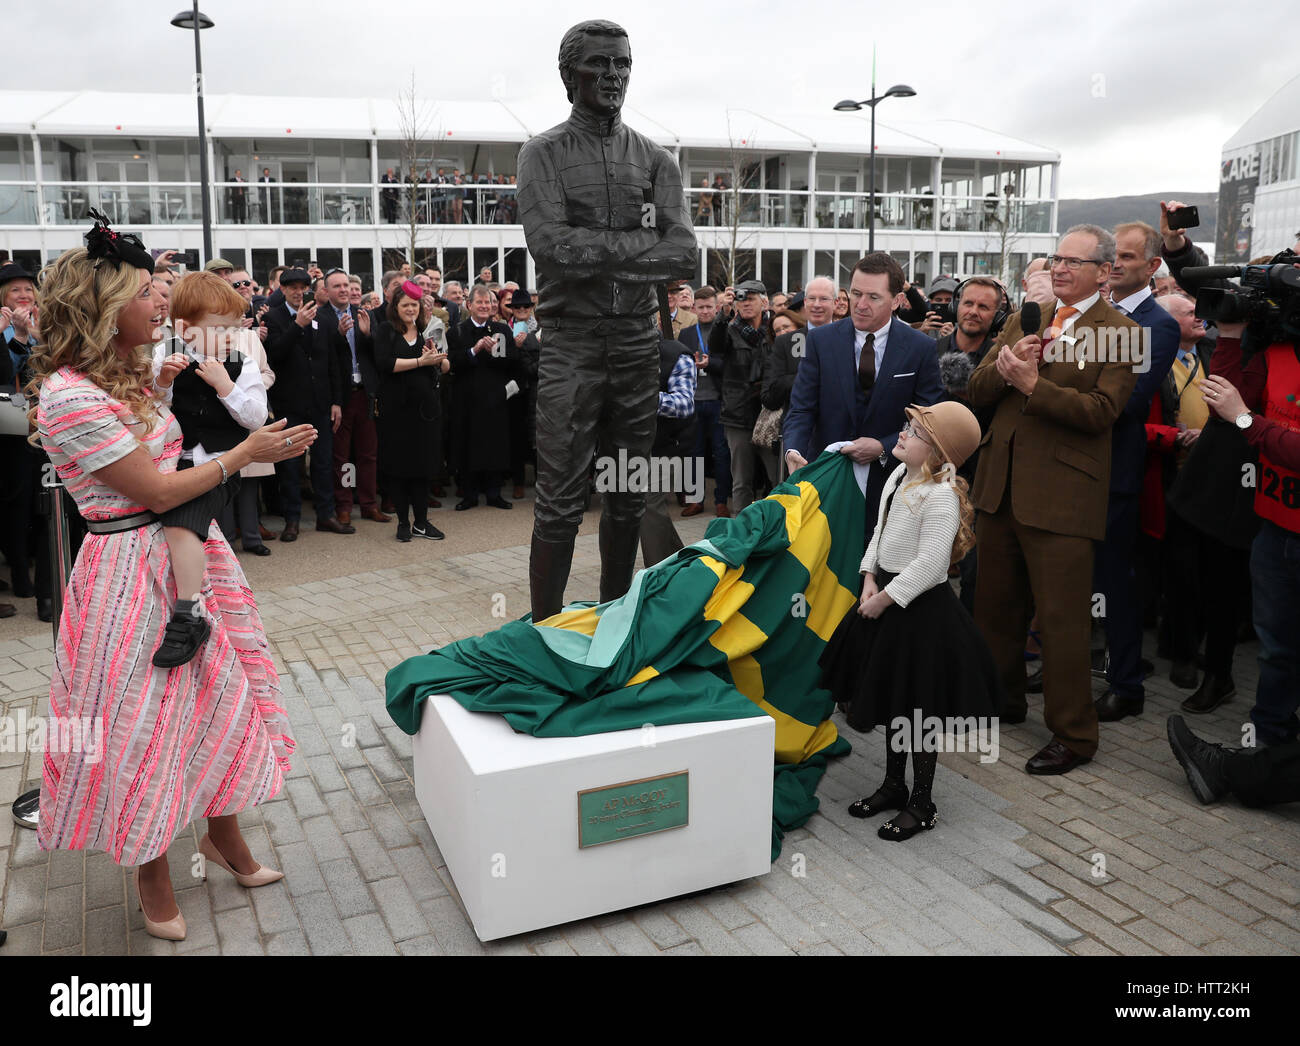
(923, 766)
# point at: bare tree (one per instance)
(419, 134)
(1003, 225)
(743, 173)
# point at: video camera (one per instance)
(1268, 297)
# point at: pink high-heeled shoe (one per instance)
(261, 877)
(171, 930)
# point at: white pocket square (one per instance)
(909, 374)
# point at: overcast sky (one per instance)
(1138, 97)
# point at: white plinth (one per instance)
(503, 808)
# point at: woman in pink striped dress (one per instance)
(206, 739)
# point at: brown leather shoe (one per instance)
(344, 517)
(693, 509)
(722, 512)
(267, 535)
(435, 503)
(374, 514)
(1055, 758)
(387, 505)
(333, 525)
(290, 532)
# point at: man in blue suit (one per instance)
(1137, 256)
(857, 377)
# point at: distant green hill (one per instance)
(1111, 211)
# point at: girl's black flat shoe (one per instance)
(913, 819)
(887, 797)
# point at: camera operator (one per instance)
(1257, 390)
(960, 352)
(938, 320)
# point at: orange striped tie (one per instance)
(1058, 322)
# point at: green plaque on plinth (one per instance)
(624, 811)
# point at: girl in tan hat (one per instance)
(910, 650)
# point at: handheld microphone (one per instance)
(1031, 316)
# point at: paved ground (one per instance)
(1012, 868)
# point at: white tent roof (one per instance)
(1279, 115)
(105, 113)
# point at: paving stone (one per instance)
(306, 798)
(346, 887)
(724, 908)
(426, 945)
(283, 823)
(238, 933)
(1283, 935)
(1112, 936)
(106, 931)
(450, 926)
(291, 943)
(23, 940)
(64, 920)
(325, 932)
(106, 882)
(1030, 913)
(1163, 940)
(274, 910)
(67, 867)
(399, 909)
(417, 872)
(364, 786)
(327, 775)
(761, 941)
(795, 932)
(390, 827)
(369, 935)
(585, 939)
(661, 929)
(626, 938)
(25, 894)
(560, 947)
(370, 856)
(301, 872)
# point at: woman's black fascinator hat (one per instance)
(105, 245)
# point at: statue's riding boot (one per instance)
(548, 573)
(619, 542)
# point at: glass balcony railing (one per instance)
(125, 203)
(789, 209)
(445, 204)
(291, 203)
(316, 203)
(19, 204)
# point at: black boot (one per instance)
(619, 542)
(548, 573)
(1201, 761)
(1213, 691)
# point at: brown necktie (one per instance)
(867, 364)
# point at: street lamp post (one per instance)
(197, 20)
(850, 106)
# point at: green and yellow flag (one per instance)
(730, 627)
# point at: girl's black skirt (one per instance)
(928, 656)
